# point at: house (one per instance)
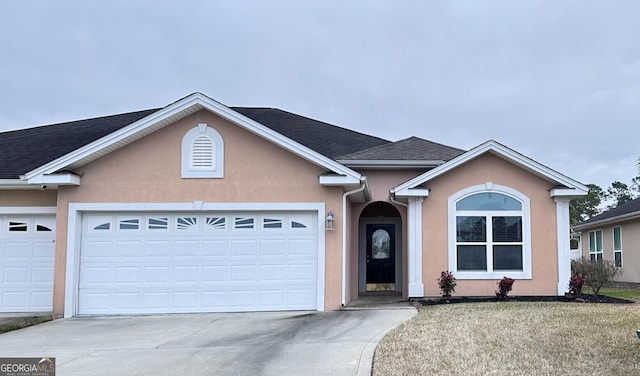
(614, 235)
(199, 207)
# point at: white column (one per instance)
(562, 233)
(414, 234)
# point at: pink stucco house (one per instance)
(199, 207)
(614, 235)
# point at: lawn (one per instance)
(616, 292)
(514, 338)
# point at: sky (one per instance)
(558, 81)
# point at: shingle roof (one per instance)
(328, 140)
(26, 149)
(620, 210)
(412, 148)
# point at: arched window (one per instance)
(489, 233)
(202, 153)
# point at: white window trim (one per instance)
(613, 240)
(526, 232)
(189, 172)
(595, 247)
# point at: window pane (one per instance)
(618, 259)
(598, 256)
(592, 241)
(507, 229)
(472, 257)
(488, 201)
(617, 241)
(380, 245)
(507, 257)
(592, 257)
(471, 229)
(599, 241)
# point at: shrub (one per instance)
(576, 283)
(596, 273)
(504, 287)
(447, 283)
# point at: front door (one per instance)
(381, 251)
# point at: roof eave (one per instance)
(617, 218)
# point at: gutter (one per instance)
(363, 180)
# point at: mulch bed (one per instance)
(566, 298)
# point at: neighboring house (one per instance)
(198, 207)
(615, 236)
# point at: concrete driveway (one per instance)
(293, 343)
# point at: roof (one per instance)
(563, 185)
(327, 139)
(25, 149)
(628, 210)
(25, 152)
(412, 148)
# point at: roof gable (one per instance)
(567, 186)
(160, 118)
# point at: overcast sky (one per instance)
(559, 81)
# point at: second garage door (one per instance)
(136, 263)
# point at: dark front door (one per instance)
(381, 255)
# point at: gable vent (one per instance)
(202, 154)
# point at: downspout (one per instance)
(392, 199)
(344, 237)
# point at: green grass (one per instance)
(619, 292)
(23, 322)
(514, 338)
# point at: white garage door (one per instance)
(26, 263)
(192, 262)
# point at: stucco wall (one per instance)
(630, 232)
(149, 170)
(489, 168)
(24, 197)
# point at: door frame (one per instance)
(362, 250)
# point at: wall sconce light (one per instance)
(329, 221)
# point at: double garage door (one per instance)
(26, 262)
(136, 263)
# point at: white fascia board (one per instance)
(58, 179)
(178, 110)
(358, 163)
(338, 180)
(501, 150)
(570, 193)
(412, 192)
(618, 218)
(28, 210)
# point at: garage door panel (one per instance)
(18, 250)
(244, 248)
(157, 249)
(198, 263)
(156, 274)
(127, 275)
(186, 274)
(129, 248)
(42, 275)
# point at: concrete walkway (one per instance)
(268, 343)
